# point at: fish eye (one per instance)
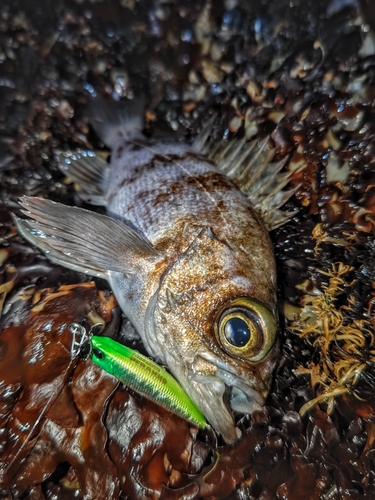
(97, 353)
(237, 331)
(246, 329)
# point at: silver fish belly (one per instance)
(189, 260)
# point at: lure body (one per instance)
(146, 377)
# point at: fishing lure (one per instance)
(137, 372)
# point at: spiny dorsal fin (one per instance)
(249, 165)
(92, 241)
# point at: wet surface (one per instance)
(301, 73)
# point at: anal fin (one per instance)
(89, 171)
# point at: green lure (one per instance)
(145, 377)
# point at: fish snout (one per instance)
(223, 393)
(213, 403)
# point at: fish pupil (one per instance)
(97, 353)
(237, 332)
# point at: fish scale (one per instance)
(176, 184)
(142, 199)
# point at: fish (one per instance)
(184, 246)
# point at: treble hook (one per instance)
(81, 339)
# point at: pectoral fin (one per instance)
(81, 239)
(39, 239)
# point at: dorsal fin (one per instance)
(250, 165)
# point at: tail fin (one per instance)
(113, 119)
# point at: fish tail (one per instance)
(112, 120)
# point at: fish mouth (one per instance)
(222, 393)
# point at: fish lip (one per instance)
(212, 398)
(242, 397)
(233, 381)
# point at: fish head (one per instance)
(214, 318)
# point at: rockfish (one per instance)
(185, 252)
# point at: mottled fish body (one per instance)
(190, 262)
(178, 200)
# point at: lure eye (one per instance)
(97, 353)
(246, 329)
